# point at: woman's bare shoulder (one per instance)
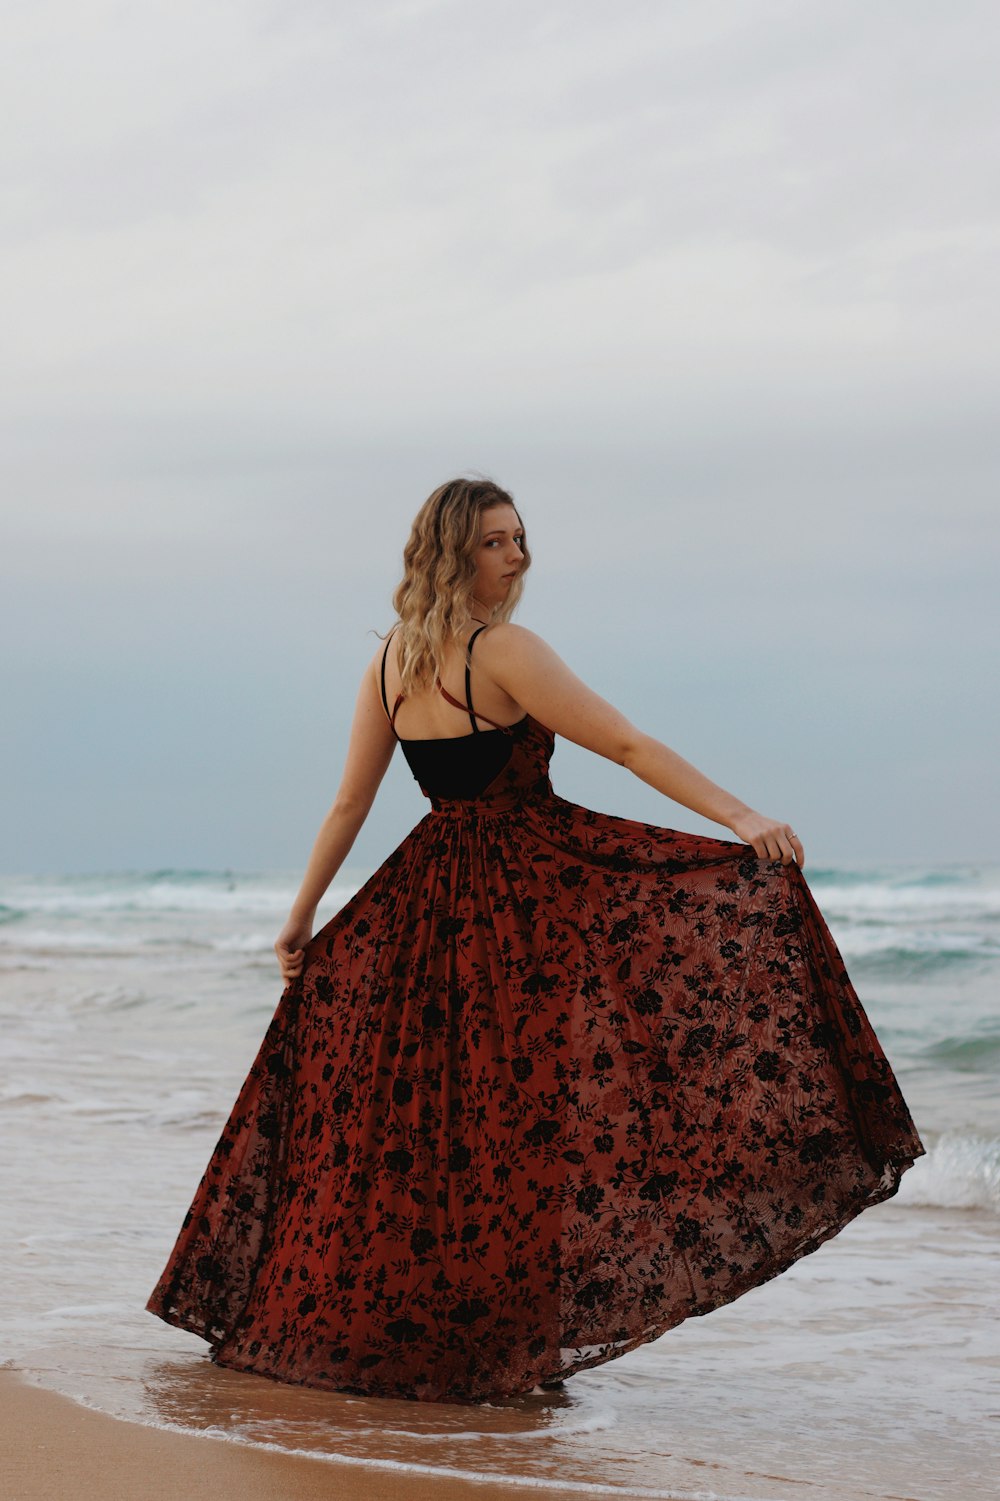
(506, 638)
(513, 654)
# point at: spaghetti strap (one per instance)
(468, 679)
(385, 701)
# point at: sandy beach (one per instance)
(52, 1448)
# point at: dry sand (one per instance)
(51, 1449)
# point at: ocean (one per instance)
(131, 1008)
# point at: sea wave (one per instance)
(905, 877)
(904, 899)
(979, 1053)
(84, 940)
(960, 1171)
(901, 961)
(154, 892)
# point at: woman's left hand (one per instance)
(771, 840)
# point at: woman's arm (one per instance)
(538, 679)
(369, 752)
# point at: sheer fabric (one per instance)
(549, 1083)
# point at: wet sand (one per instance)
(52, 1449)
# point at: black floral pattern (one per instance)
(551, 1082)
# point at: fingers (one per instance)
(780, 843)
(290, 961)
(789, 845)
(800, 853)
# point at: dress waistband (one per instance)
(485, 807)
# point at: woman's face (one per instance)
(498, 554)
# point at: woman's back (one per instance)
(438, 711)
(448, 762)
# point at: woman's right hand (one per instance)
(771, 840)
(290, 946)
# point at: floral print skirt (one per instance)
(549, 1083)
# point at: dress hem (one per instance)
(554, 1376)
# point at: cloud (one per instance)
(303, 209)
(712, 288)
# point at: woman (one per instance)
(551, 1081)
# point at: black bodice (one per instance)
(461, 766)
(457, 766)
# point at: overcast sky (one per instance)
(712, 288)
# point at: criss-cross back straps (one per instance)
(467, 706)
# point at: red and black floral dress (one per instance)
(549, 1083)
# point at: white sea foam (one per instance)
(417, 1469)
(867, 940)
(958, 1172)
(70, 939)
(907, 900)
(152, 893)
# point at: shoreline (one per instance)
(55, 1449)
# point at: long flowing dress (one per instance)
(549, 1083)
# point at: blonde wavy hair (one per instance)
(433, 599)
